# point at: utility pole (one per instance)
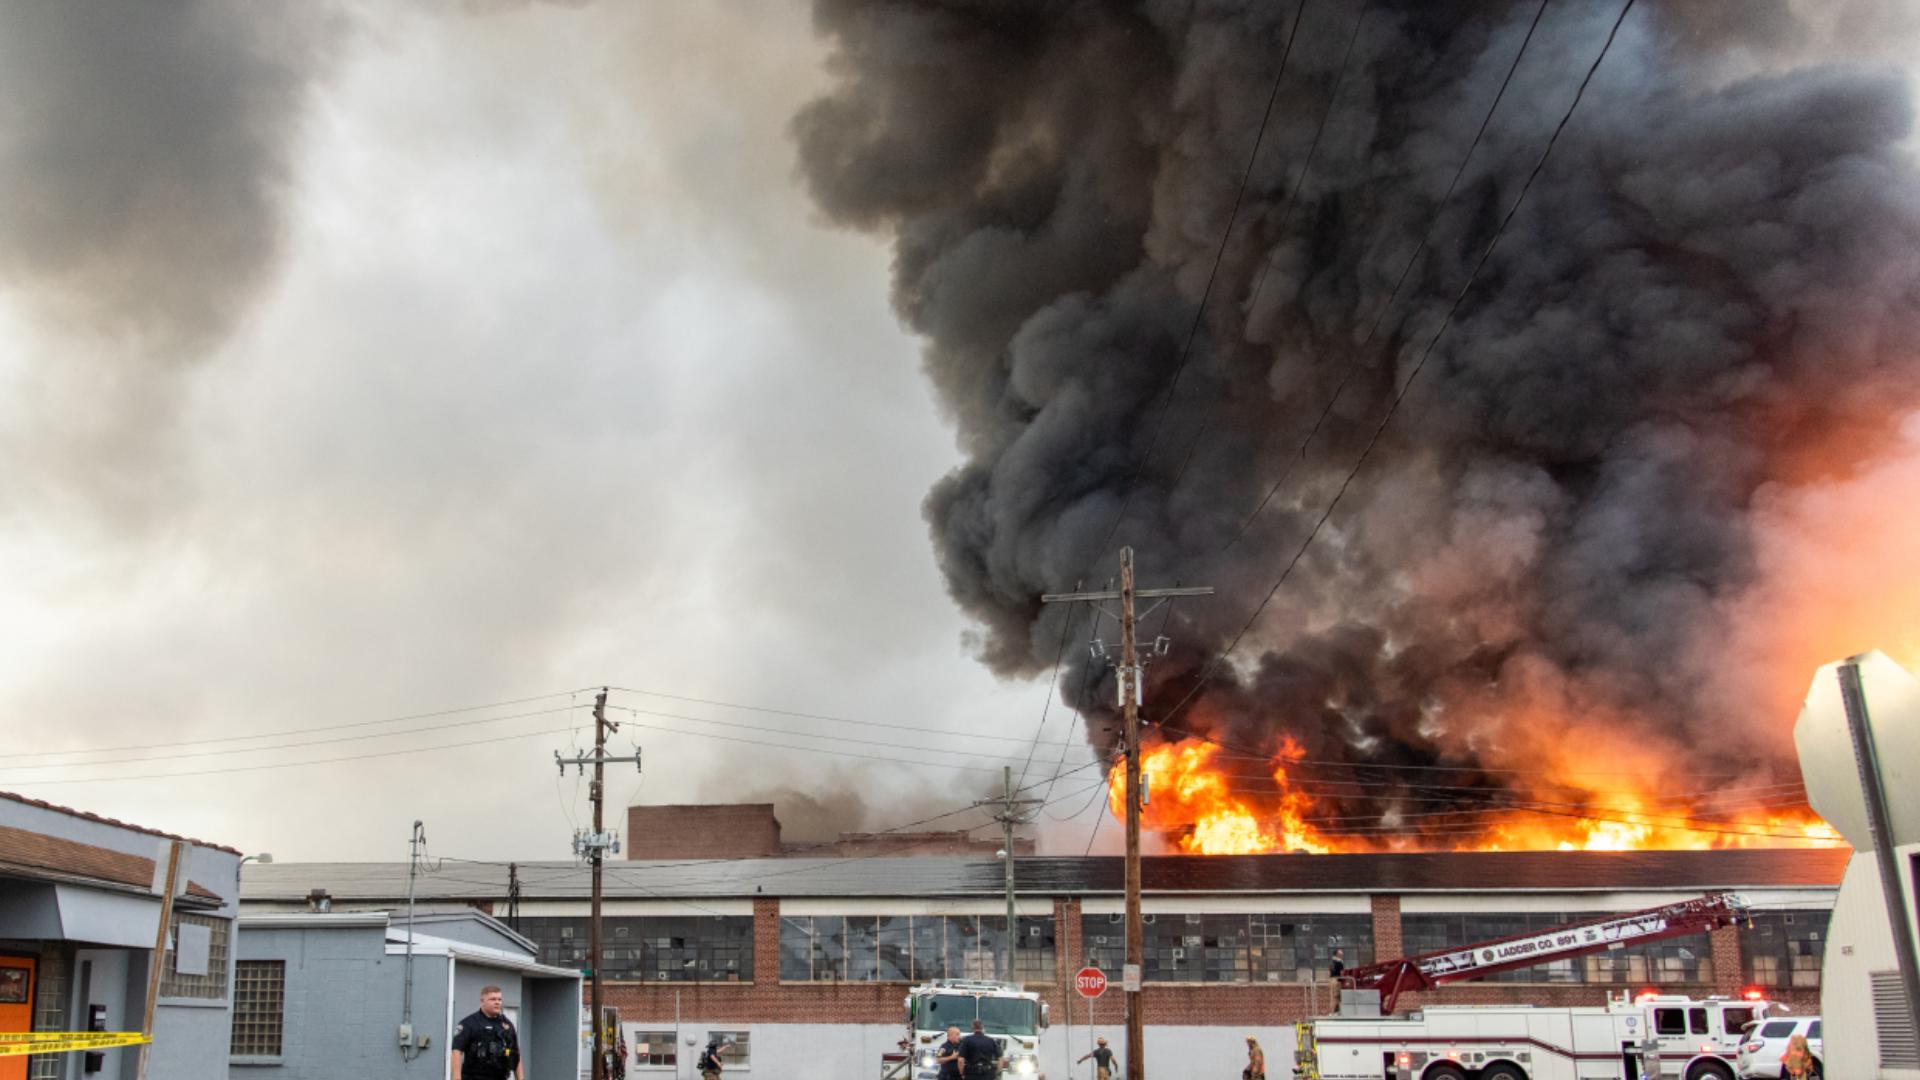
(595, 846)
(1011, 812)
(513, 896)
(1130, 701)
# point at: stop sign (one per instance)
(1091, 982)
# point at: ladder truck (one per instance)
(1649, 1037)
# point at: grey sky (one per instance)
(532, 368)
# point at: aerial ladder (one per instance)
(1565, 942)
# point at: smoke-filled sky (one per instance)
(370, 360)
(365, 360)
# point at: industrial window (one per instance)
(672, 948)
(197, 963)
(655, 1048)
(739, 1048)
(1231, 948)
(1784, 948)
(901, 948)
(259, 1007)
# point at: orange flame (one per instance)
(1205, 805)
(1212, 811)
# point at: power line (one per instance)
(1086, 684)
(895, 743)
(1333, 98)
(1193, 331)
(482, 742)
(1066, 627)
(285, 764)
(883, 725)
(292, 731)
(286, 746)
(1393, 407)
(1379, 318)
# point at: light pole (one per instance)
(265, 858)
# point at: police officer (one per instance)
(980, 1055)
(710, 1064)
(948, 1056)
(485, 1045)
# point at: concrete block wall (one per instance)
(343, 1007)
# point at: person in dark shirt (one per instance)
(485, 1045)
(1338, 966)
(981, 1055)
(1102, 1059)
(948, 1056)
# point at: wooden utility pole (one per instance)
(1130, 700)
(157, 968)
(595, 846)
(1009, 812)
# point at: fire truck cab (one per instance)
(1654, 1036)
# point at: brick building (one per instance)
(801, 957)
(751, 831)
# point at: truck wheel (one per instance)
(1710, 1070)
(1502, 1071)
(1444, 1072)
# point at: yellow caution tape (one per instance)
(16, 1043)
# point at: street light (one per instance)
(263, 858)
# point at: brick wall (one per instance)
(768, 1000)
(1386, 927)
(1727, 975)
(722, 831)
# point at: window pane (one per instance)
(829, 948)
(796, 948)
(259, 1007)
(654, 1048)
(1784, 948)
(894, 948)
(739, 1048)
(1232, 948)
(929, 947)
(691, 948)
(862, 947)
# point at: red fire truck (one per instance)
(1649, 1037)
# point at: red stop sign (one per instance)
(1091, 982)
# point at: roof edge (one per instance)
(100, 819)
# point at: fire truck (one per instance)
(1014, 1017)
(1648, 1037)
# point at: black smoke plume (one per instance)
(1537, 565)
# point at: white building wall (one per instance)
(853, 1051)
(1859, 942)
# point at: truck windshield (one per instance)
(949, 1010)
(1009, 1016)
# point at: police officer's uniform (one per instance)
(489, 1047)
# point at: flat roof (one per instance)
(952, 876)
